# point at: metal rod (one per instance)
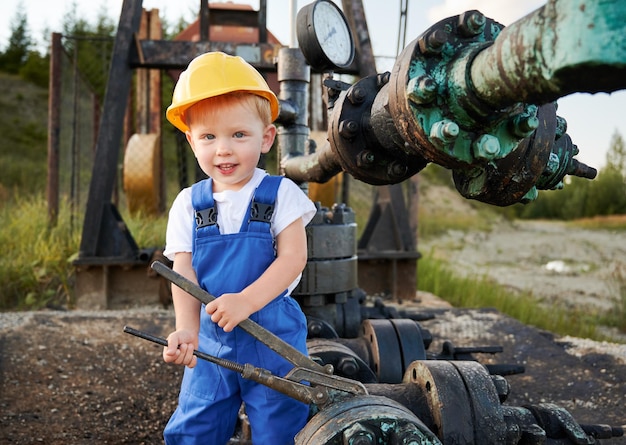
(54, 128)
(257, 331)
(228, 364)
(296, 390)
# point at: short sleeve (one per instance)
(291, 203)
(179, 232)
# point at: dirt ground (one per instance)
(558, 264)
(74, 377)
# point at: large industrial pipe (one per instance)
(564, 47)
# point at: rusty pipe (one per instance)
(564, 47)
(319, 166)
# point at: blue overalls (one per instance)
(210, 395)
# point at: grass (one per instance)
(612, 222)
(617, 317)
(36, 266)
(478, 292)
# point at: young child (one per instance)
(240, 235)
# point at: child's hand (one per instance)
(180, 347)
(229, 310)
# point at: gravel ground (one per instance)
(76, 378)
(556, 263)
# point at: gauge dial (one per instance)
(324, 36)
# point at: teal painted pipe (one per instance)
(566, 46)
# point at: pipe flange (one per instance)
(358, 152)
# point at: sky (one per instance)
(592, 119)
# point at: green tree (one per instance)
(91, 46)
(616, 155)
(574, 202)
(36, 69)
(20, 43)
(607, 194)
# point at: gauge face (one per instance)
(324, 36)
(333, 33)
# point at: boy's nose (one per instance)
(223, 148)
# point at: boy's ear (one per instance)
(190, 141)
(269, 134)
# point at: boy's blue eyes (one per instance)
(238, 135)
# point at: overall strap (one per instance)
(204, 207)
(261, 209)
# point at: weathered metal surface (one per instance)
(365, 420)
(170, 54)
(512, 178)
(96, 235)
(359, 147)
(387, 248)
(319, 166)
(54, 128)
(294, 76)
(564, 47)
(393, 345)
(332, 262)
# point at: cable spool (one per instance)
(142, 173)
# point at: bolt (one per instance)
(422, 90)
(411, 440)
(361, 440)
(382, 79)
(408, 434)
(356, 95)
(561, 127)
(553, 164)
(348, 129)
(524, 124)
(444, 132)
(365, 159)
(348, 366)
(577, 168)
(358, 434)
(432, 43)
(315, 328)
(471, 23)
(396, 170)
(486, 147)
(321, 397)
(502, 387)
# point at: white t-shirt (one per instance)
(291, 204)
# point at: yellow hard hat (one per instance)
(213, 74)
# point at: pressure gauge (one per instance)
(324, 36)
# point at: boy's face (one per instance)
(228, 142)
